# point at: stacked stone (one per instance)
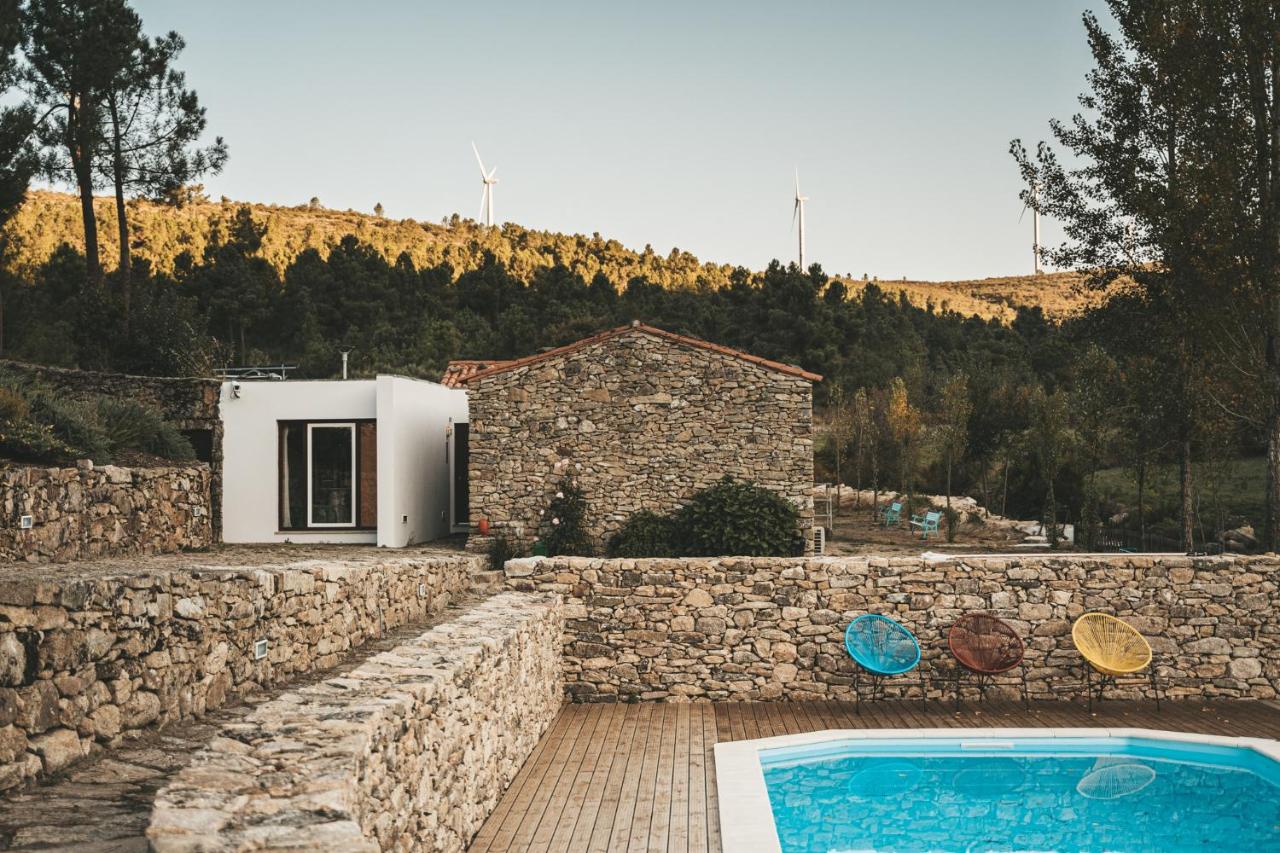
(86, 660)
(412, 750)
(640, 422)
(773, 628)
(87, 512)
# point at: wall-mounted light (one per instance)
(235, 390)
(26, 522)
(259, 649)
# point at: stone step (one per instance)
(487, 581)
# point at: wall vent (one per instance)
(819, 541)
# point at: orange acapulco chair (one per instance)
(1112, 649)
(986, 646)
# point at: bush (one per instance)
(75, 423)
(31, 442)
(13, 406)
(130, 425)
(501, 550)
(563, 524)
(737, 519)
(646, 534)
(951, 518)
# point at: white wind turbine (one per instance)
(1034, 204)
(486, 200)
(797, 214)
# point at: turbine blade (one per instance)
(492, 172)
(478, 160)
(795, 212)
(797, 182)
(1023, 213)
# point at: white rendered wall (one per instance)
(413, 458)
(250, 451)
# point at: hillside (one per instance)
(162, 233)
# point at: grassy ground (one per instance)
(1236, 488)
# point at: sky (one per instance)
(668, 124)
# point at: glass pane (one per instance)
(293, 459)
(331, 475)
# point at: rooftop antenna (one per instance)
(1034, 203)
(797, 214)
(486, 199)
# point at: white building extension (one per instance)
(355, 461)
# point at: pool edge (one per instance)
(746, 816)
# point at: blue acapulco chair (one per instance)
(881, 648)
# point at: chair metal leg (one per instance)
(1026, 698)
(924, 692)
(857, 691)
(957, 685)
(1155, 684)
(1088, 686)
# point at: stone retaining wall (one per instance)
(410, 751)
(82, 513)
(764, 628)
(191, 403)
(85, 660)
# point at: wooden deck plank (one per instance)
(642, 777)
(602, 831)
(598, 786)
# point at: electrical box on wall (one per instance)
(259, 649)
(26, 522)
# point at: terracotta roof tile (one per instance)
(461, 372)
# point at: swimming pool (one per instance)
(1026, 789)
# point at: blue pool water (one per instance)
(1041, 794)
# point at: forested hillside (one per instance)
(162, 233)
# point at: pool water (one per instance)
(1041, 794)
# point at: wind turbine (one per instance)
(798, 214)
(1034, 204)
(486, 200)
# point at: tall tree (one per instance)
(77, 48)
(17, 160)
(1145, 197)
(153, 124)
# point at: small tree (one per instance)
(863, 440)
(377, 210)
(904, 424)
(1049, 441)
(953, 431)
(563, 529)
(314, 204)
(839, 431)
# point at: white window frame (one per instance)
(355, 487)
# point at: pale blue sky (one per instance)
(674, 124)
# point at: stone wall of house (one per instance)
(86, 512)
(641, 422)
(88, 658)
(759, 628)
(191, 403)
(410, 751)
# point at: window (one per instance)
(328, 475)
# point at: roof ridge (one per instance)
(500, 366)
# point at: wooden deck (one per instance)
(642, 777)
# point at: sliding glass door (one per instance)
(331, 496)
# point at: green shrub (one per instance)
(501, 550)
(75, 423)
(738, 519)
(564, 523)
(130, 425)
(646, 534)
(31, 442)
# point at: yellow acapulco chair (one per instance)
(1113, 649)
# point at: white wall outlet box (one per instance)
(422, 590)
(259, 649)
(26, 522)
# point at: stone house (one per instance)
(641, 417)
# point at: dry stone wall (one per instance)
(641, 422)
(87, 512)
(765, 628)
(410, 751)
(86, 660)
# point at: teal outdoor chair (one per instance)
(891, 515)
(882, 648)
(926, 524)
